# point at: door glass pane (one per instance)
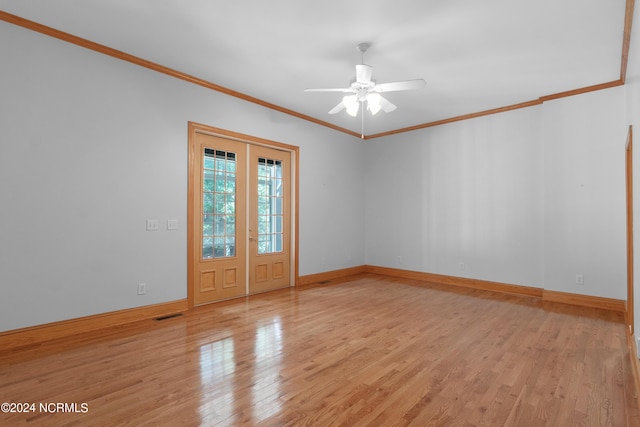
(230, 223)
(270, 201)
(207, 203)
(218, 204)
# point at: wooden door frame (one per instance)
(194, 129)
(629, 210)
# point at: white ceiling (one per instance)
(474, 55)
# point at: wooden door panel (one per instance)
(269, 219)
(219, 219)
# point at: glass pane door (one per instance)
(270, 203)
(269, 219)
(219, 204)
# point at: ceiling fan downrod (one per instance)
(362, 48)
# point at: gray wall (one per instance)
(530, 197)
(91, 147)
(633, 118)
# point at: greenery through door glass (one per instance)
(218, 204)
(270, 206)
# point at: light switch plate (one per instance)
(172, 224)
(152, 225)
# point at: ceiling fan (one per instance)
(364, 89)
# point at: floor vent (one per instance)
(168, 316)
(324, 282)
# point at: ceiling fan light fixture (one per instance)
(351, 104)
(373, 103)
(353, 110)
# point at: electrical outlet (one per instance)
(461, 266)
(142, 288)
(152, 225)
(579, 279)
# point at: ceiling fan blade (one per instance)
(346, 89)
(386, 105)
(337, 108)
(363, 73)
(397, 86)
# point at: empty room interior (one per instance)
(329, 213)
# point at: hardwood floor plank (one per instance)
(365, 350)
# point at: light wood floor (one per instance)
(369, 350)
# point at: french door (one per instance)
(240, 208)
(269, 219)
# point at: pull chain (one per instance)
(362, 121)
